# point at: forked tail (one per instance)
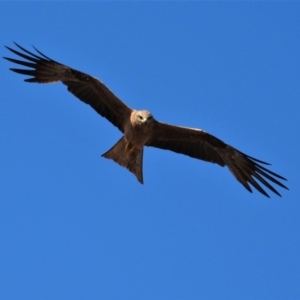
(127, 156)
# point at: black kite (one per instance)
(141, 129)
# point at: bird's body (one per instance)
(138, 130)
(128, 151)
(141, 129)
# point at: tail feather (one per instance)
(130, 158)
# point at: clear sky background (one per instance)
(74, 225)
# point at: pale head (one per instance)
(139, 117)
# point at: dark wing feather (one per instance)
(85, 87)
(201, 145)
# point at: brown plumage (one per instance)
(141, 129)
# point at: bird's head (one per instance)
(142, 117)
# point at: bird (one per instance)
(140, 128)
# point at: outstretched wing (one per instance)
(201, 145)
(85, 87)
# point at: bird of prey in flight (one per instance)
(140, 129)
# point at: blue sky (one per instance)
(74, 225)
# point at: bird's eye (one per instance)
(140, 117)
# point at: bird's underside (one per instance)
(141, 129)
